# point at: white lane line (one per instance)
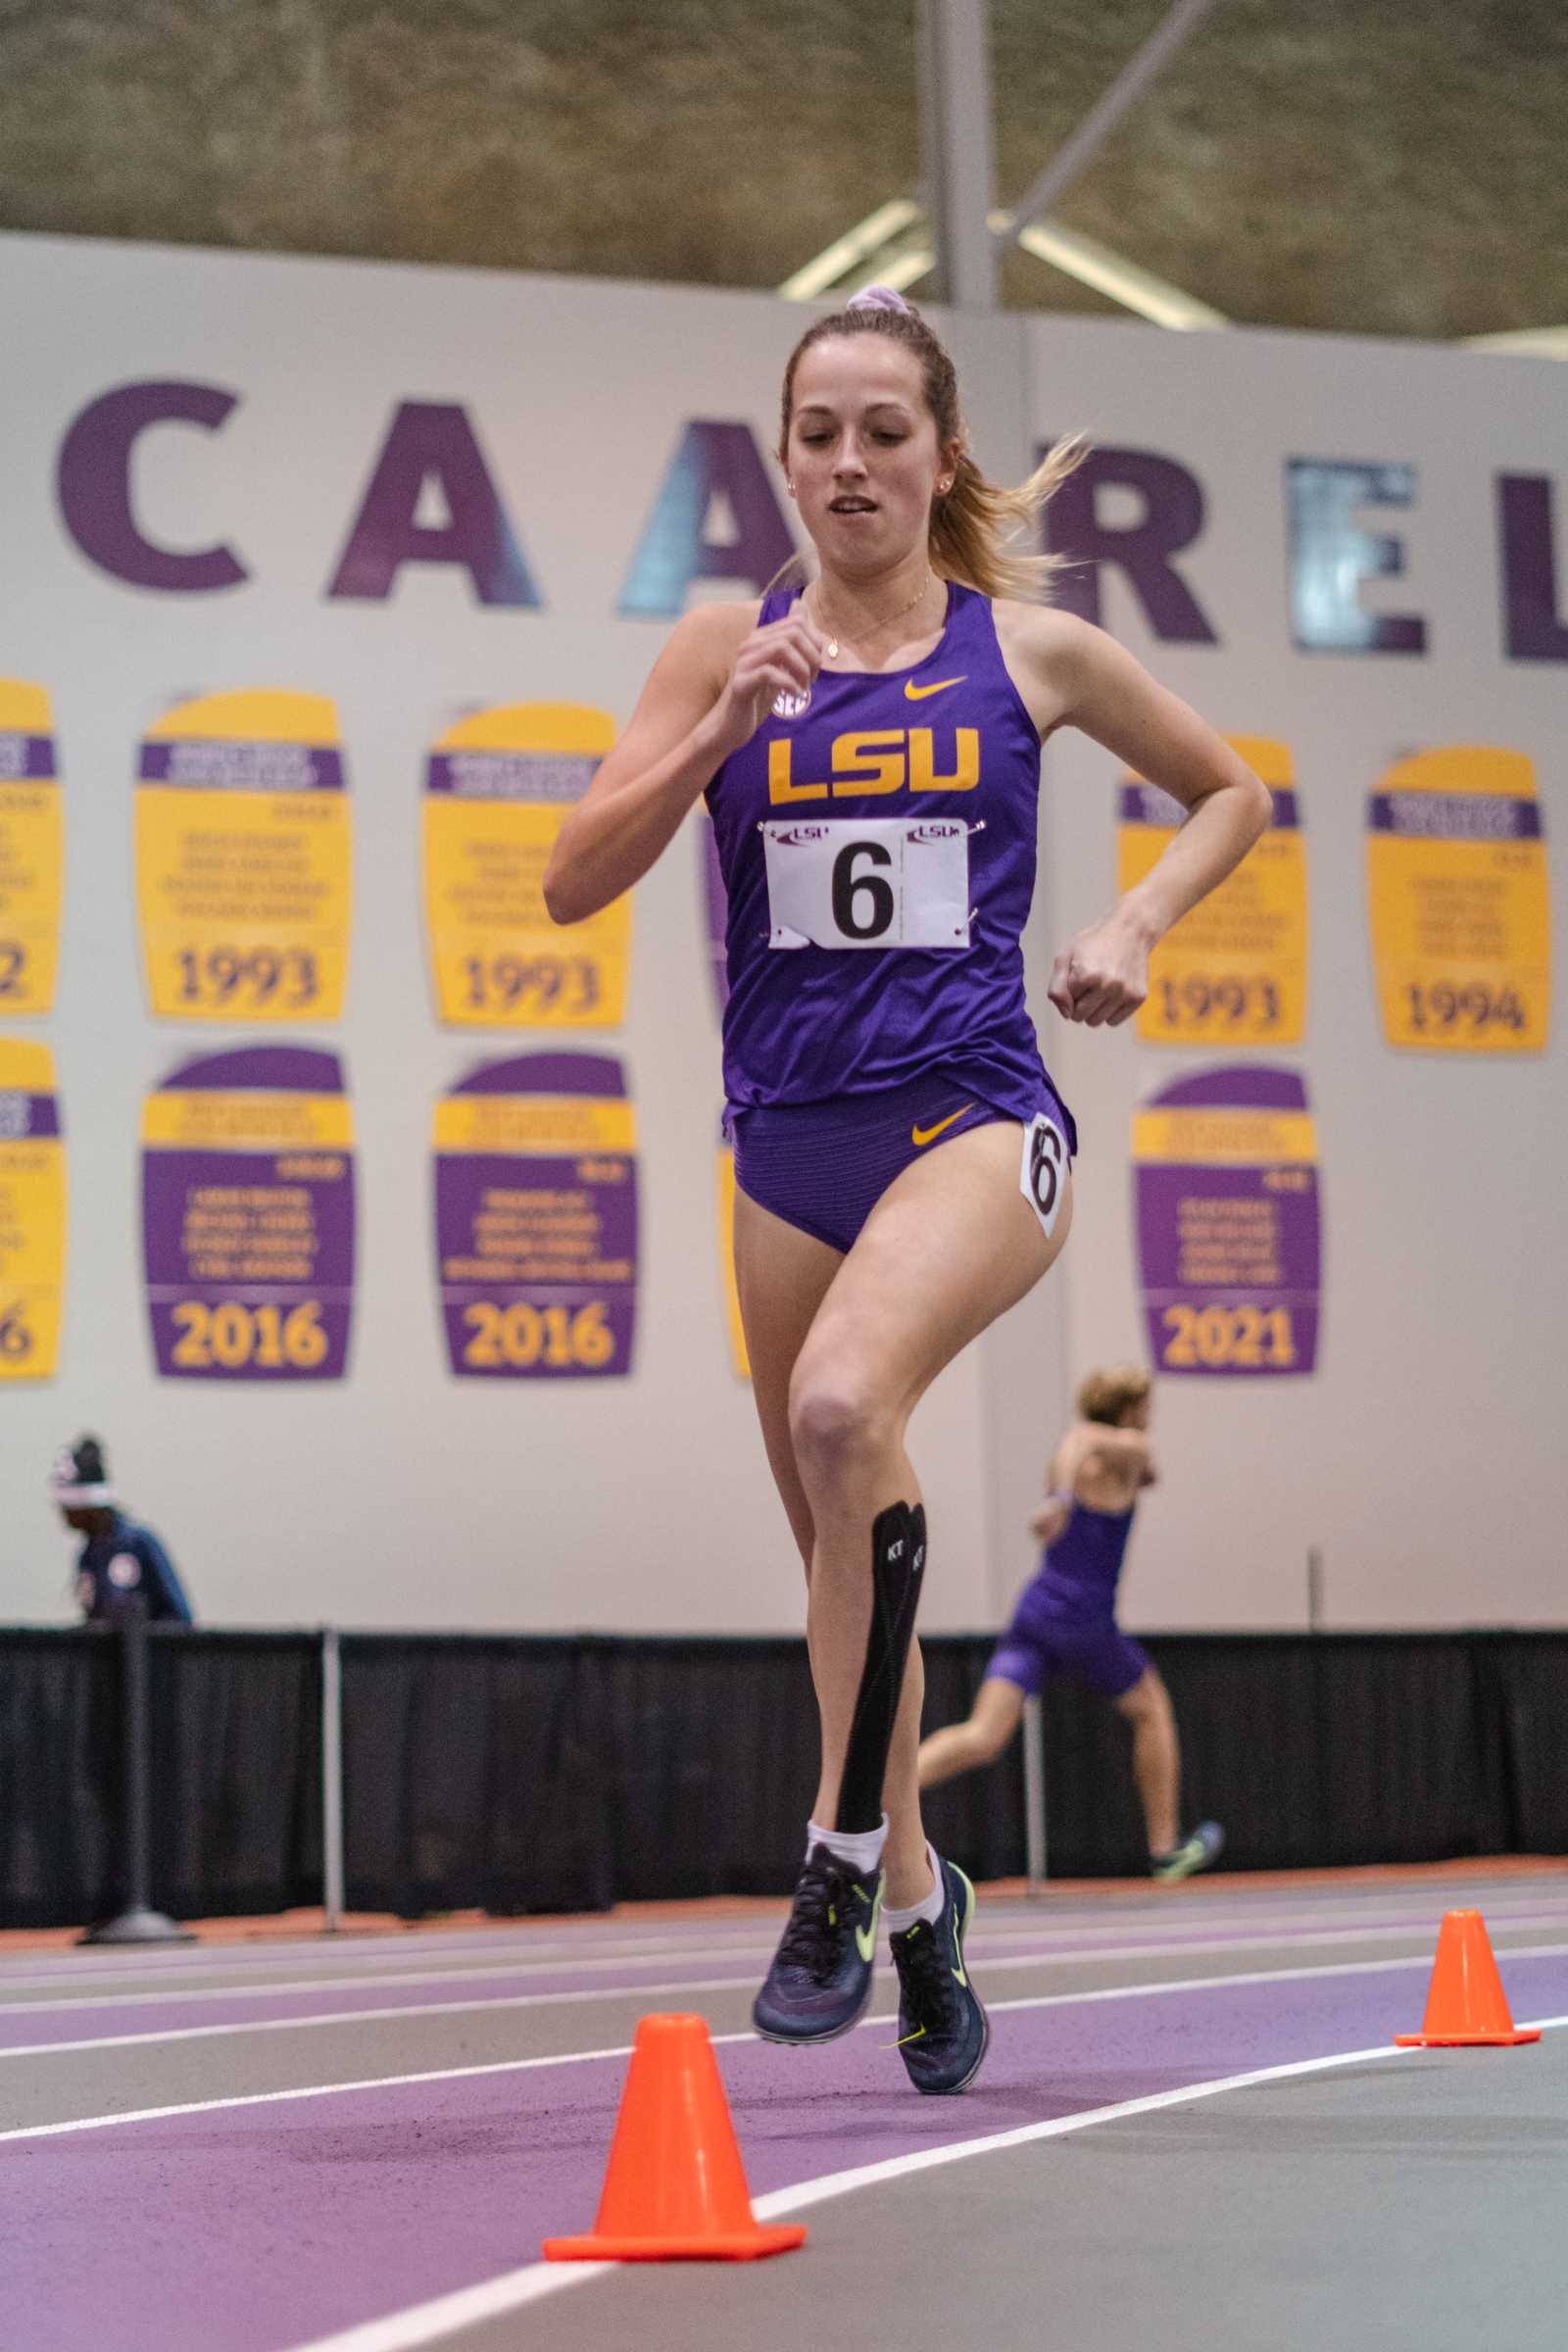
(1204, 1905)
(335, 1966)
(734, 1940)
(370, 2017)
(632, 1992)
(428, 2322)
(511, 2066)
(319, 2090)
(993, 1963)
(338, 1983)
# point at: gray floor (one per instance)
(353, 2131)
(1411, 2206)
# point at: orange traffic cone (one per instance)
(1466, 2002)
(675, 2188)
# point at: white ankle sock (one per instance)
(930, 1910)
(861, 1848)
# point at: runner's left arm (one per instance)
(1102, 975)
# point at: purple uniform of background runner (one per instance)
(1065, 1620)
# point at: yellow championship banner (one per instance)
(534, 1123)
(1232, 972)
(244, 859)
(726, 1258)
(32, 850)
(1457, 896)
(498, 787)
(33, 1213)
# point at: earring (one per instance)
(789, 485)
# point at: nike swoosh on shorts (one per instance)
(928, 1134)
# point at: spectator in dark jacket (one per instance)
(121, 1565)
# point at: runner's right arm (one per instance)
(707, 695)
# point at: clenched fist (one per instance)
(1102, 976)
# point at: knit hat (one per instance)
(79, 1479)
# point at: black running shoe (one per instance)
(820, 1979)
(943, 2030)
(1205, 1845)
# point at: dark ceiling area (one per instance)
(1335, 165)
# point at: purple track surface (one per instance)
(257, 2227)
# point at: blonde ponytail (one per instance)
(975, 527)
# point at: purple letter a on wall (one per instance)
(433, 442)
(714, 462)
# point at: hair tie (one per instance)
(879, 298)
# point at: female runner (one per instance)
(869, 749)
(1065, 1620)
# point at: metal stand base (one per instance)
(137, 1926)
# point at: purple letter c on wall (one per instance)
(96, 490)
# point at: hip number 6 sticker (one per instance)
(1044, 1166)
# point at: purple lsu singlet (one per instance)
(878, 852)
(1064, 1622)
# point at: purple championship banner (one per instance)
(1227, 1224)
(536, 1219)
(247, 1216)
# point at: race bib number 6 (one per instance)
(1043, 1178)
(880, 884)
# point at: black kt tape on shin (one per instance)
(897, 1563)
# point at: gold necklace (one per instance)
(886, 623)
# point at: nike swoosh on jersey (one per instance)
(917, 694)
(928, 1134)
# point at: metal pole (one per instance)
(1034, 1793)
(1314, 1591)
(332, 1888)
(136, 1921)
(953, 53)
(1098, 125)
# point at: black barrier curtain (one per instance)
(1315, 1751)
(234, 1751)
(474, 1774)
(517, 1774)
(710, 1758)
(59, 1739)
(1524, 1681)
(234, 1771)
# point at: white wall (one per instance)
(1419, 1458)
(1423, 1457)
(400, 1496)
